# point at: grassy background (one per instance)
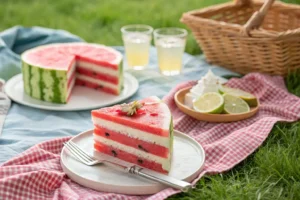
(272, 172)
(99, 21)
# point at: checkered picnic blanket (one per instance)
(37, 174)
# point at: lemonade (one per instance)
(137, 40)
(137, 50)
(170, 51)
(170, 44)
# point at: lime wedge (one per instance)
(235, 105)
(211, 102)
(248, 97)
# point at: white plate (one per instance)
(82, 98)
(188, 160)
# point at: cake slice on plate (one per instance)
(140, 132)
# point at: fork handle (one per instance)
(161, 178)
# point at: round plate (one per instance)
(188, 160)
(82, 98)
(179, 100)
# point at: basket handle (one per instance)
(257, 18)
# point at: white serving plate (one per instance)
(188, 160)
(82, 98)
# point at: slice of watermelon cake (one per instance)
(140, 132)
(51, 71)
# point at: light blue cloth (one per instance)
(26, 126)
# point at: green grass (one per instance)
(272, 172)
(99, 21)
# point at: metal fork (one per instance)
(86, 159)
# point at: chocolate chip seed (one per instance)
(114, 153)
(142, 148)
(140, 161)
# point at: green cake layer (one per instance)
(45, 84)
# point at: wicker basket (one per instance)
(249, 36)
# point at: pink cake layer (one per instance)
(151, 148)
(97, 75)
(128, 157)
(96, 86)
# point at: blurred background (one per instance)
(100, 20)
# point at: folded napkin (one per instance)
(37, 174)
(4, 104)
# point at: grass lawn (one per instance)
(272, 172)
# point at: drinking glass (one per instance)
(170, 45)
(137, 40)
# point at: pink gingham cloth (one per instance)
(37, 174)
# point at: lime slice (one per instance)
(235, 105)
(211, 102)
(249, 98)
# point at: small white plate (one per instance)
(82, 98)
(188, 160)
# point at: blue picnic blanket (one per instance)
(25, 126)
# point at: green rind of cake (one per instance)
(45, 84)
(171, 129)
(121, 77)
(167, 166)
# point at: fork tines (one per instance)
(78, 153)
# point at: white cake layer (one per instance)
(96, 81)
(163, 161)
(72, 70)
(71, 87)
(167, 118)
(131, 132)
(98, 68)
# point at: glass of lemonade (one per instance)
(170, 44)
(137, 39)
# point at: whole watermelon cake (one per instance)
(140, 132)
(51, 71)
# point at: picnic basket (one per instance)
(249, 36)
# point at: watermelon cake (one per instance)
(140, 132)
(51, 71)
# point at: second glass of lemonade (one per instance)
(170, 45)
(137, 39)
